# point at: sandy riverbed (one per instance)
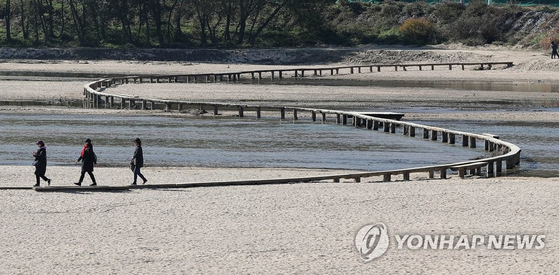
(295, 228)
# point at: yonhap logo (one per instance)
(372, 241)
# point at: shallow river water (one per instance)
(223, 142)
(539, 142)
(234, 142)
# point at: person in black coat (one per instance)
(137, 161)
(88, 159)
(40, 163)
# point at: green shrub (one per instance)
(417, 9)
(477, 25)
(389, 36)
(447, 12)
(388, 15)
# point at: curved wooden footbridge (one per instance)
(505, 155)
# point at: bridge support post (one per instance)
(443, 173)
(241, 111)
(511, 162)
(386, 177)
(499, 167)
(473, 142)
(490, 168)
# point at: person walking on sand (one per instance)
(40, 163)
(88, 159)
(137, 161)
(554, 50)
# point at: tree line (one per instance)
(148, 22)
(262, 23)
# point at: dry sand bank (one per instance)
(276, 229)
(530, 67)
(523, 60)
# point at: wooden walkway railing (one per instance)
(507, 155)
(296, 72)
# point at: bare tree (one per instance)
(8, 18)
(79, 20)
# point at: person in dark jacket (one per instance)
(40, 163)
(554, 50)
(137, 161)
(88, 159)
